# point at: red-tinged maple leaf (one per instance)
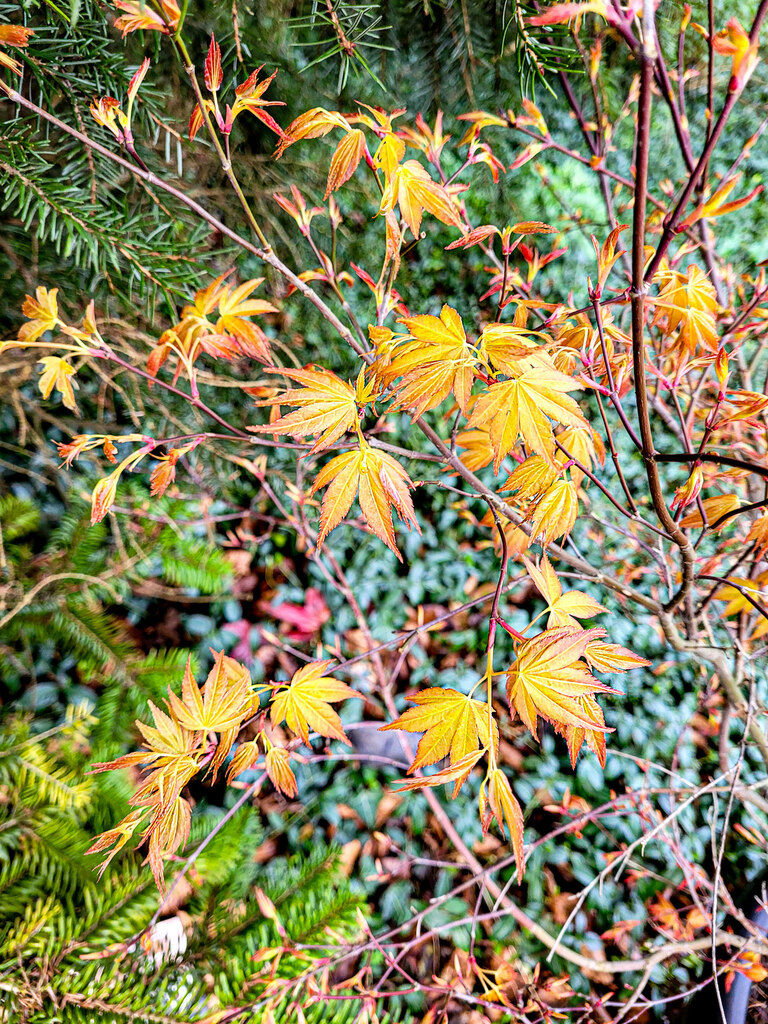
(437, 360)
(548, 677)
(411, 188)
(380, 484)
(735, 42)
(305, 702)
(479, 119)
(249, 98)
(231, 334)
(524, 407)
(116, 837)
(214, 75)
(474, 237)
(313, 124)
(716, 205)
(453, 724)
(327, 407)
(298, 209)
(453, 773)
(429, 140)
(164, 473)
(140, 16)
(556, 14)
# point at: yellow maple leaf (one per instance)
(531, 479)
(379, 482)
(43, 313)
(504, 345)
(411, 188)
(554, 514)
(564, 608)
(435, 361)
(736, 597)
(453, 724)
(326, 406)
(57, 373)
(223, 702)
(548, 677)
(523, 407)
(689, 303)
(305, 702)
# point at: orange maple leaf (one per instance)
(326, 406)
(379, 482)
(435, 361)
(411, 187)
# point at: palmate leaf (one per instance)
(223, 702)
(564, 608)
(435, 362)
(523, 407)
(379, 482)
(326, 406)
(305, 703)
(411, 187)
(454, 726)
(548, 677)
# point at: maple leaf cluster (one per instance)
(196, 734)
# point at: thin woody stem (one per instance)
(671, 222)
(638, 293)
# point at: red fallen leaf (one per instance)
(242, 651)
(307, 618)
